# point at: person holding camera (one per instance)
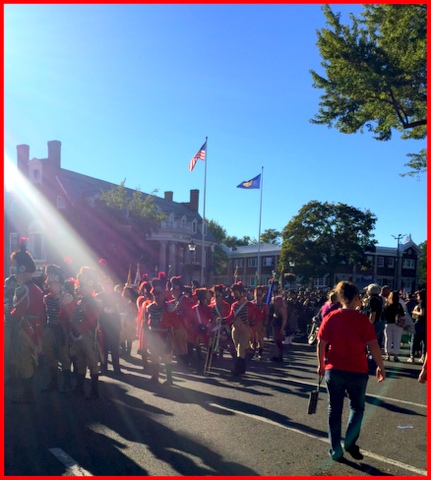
(347, 332)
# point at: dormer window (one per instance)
(35, 170)
(194, 226)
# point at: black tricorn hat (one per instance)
(22, 258)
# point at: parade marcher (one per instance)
(161, 323)
(10, 285)
(111, 306)
(347, 332)
(55, 337)
(259, 329)
(201, 323)
(183, 332)
(294, 313)
(85, 318)
(28, 319)
(142, 303)
(278, 315)
(220, 312)
(128, 320)
(242, 312)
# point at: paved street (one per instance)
(216, 426)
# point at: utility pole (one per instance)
(397, 271)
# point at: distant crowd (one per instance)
(75, 325)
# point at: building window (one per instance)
(238, 262)
(194, 226)
(380, 261)
(36, 243)
(408, 263)
(13, 242)
(268, 261)
(252, 262)
(60, 203)
(391, 262)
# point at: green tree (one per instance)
(271, 235)
(375, 73)
(136, 210)
(323, 237)
(220, 256)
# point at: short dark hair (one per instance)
(347, 291)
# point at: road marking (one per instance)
(73, 469)
(390, 399)
(409, 468)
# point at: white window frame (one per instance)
(391, 262)
(409, 263)
(381, 261)
(252, 262)
(268, 261)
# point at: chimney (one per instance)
(23, 157)
(54, 153)
(194, 200)
(169, 196)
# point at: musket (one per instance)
(213, 345)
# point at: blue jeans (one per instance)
(338, 382)
(379, 328)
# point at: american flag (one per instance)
(199, 156)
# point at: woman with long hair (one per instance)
(393, 332)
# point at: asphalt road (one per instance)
(215, 426)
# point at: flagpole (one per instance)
(203, 213)
(260, 223)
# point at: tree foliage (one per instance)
(324, 236)
(375, 72)
(423, 264)
(132, 210)
(271, 235)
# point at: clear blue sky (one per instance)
(131, 91)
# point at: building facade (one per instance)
(396, 267)
(56, 210)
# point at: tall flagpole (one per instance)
(203, 214)
(260, 222)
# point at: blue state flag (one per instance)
(253, 183)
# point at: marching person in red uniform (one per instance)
(259, 328)
(161, 324)
(243, 312)
(85, 318)
(220, 312)
(182, 336)
(201, 321)
(142, 303)
(27, 318)
(55, 337)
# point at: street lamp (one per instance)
(397, 271)
(192, 250)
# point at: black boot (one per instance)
(79, 389)
(241, 365)
(236, 369)
(144, 361)
(67, 377)
(155, 374)
(53, 383)
(169, 380)
(94, 393)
